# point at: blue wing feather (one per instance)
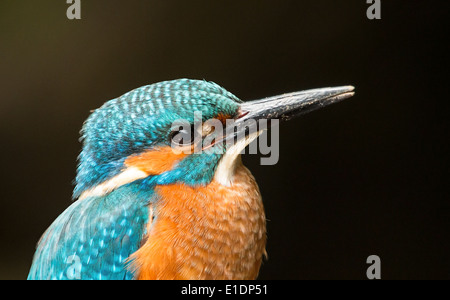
(94, 237)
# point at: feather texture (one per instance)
(94, 237)
(211, 232)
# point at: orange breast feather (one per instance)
(211, 232)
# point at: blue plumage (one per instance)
(122, 163)
(95, 236)
(141, 119)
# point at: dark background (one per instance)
(366, 176)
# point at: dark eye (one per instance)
(182, 136)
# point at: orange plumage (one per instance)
(156, 161)
(210, 232)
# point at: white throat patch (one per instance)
(227, 165)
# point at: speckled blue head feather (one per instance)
(140, 120)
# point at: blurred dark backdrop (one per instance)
(366, 176)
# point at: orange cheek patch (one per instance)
(223, 118)
(155, 162)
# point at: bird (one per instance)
(145, 211)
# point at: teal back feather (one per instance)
(94, 237)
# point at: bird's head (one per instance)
(168, 132)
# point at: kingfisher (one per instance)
(145, 210)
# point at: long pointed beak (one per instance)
(291, 105)
(282, 107)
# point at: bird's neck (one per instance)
(205, 232)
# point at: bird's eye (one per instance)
(182, 136)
